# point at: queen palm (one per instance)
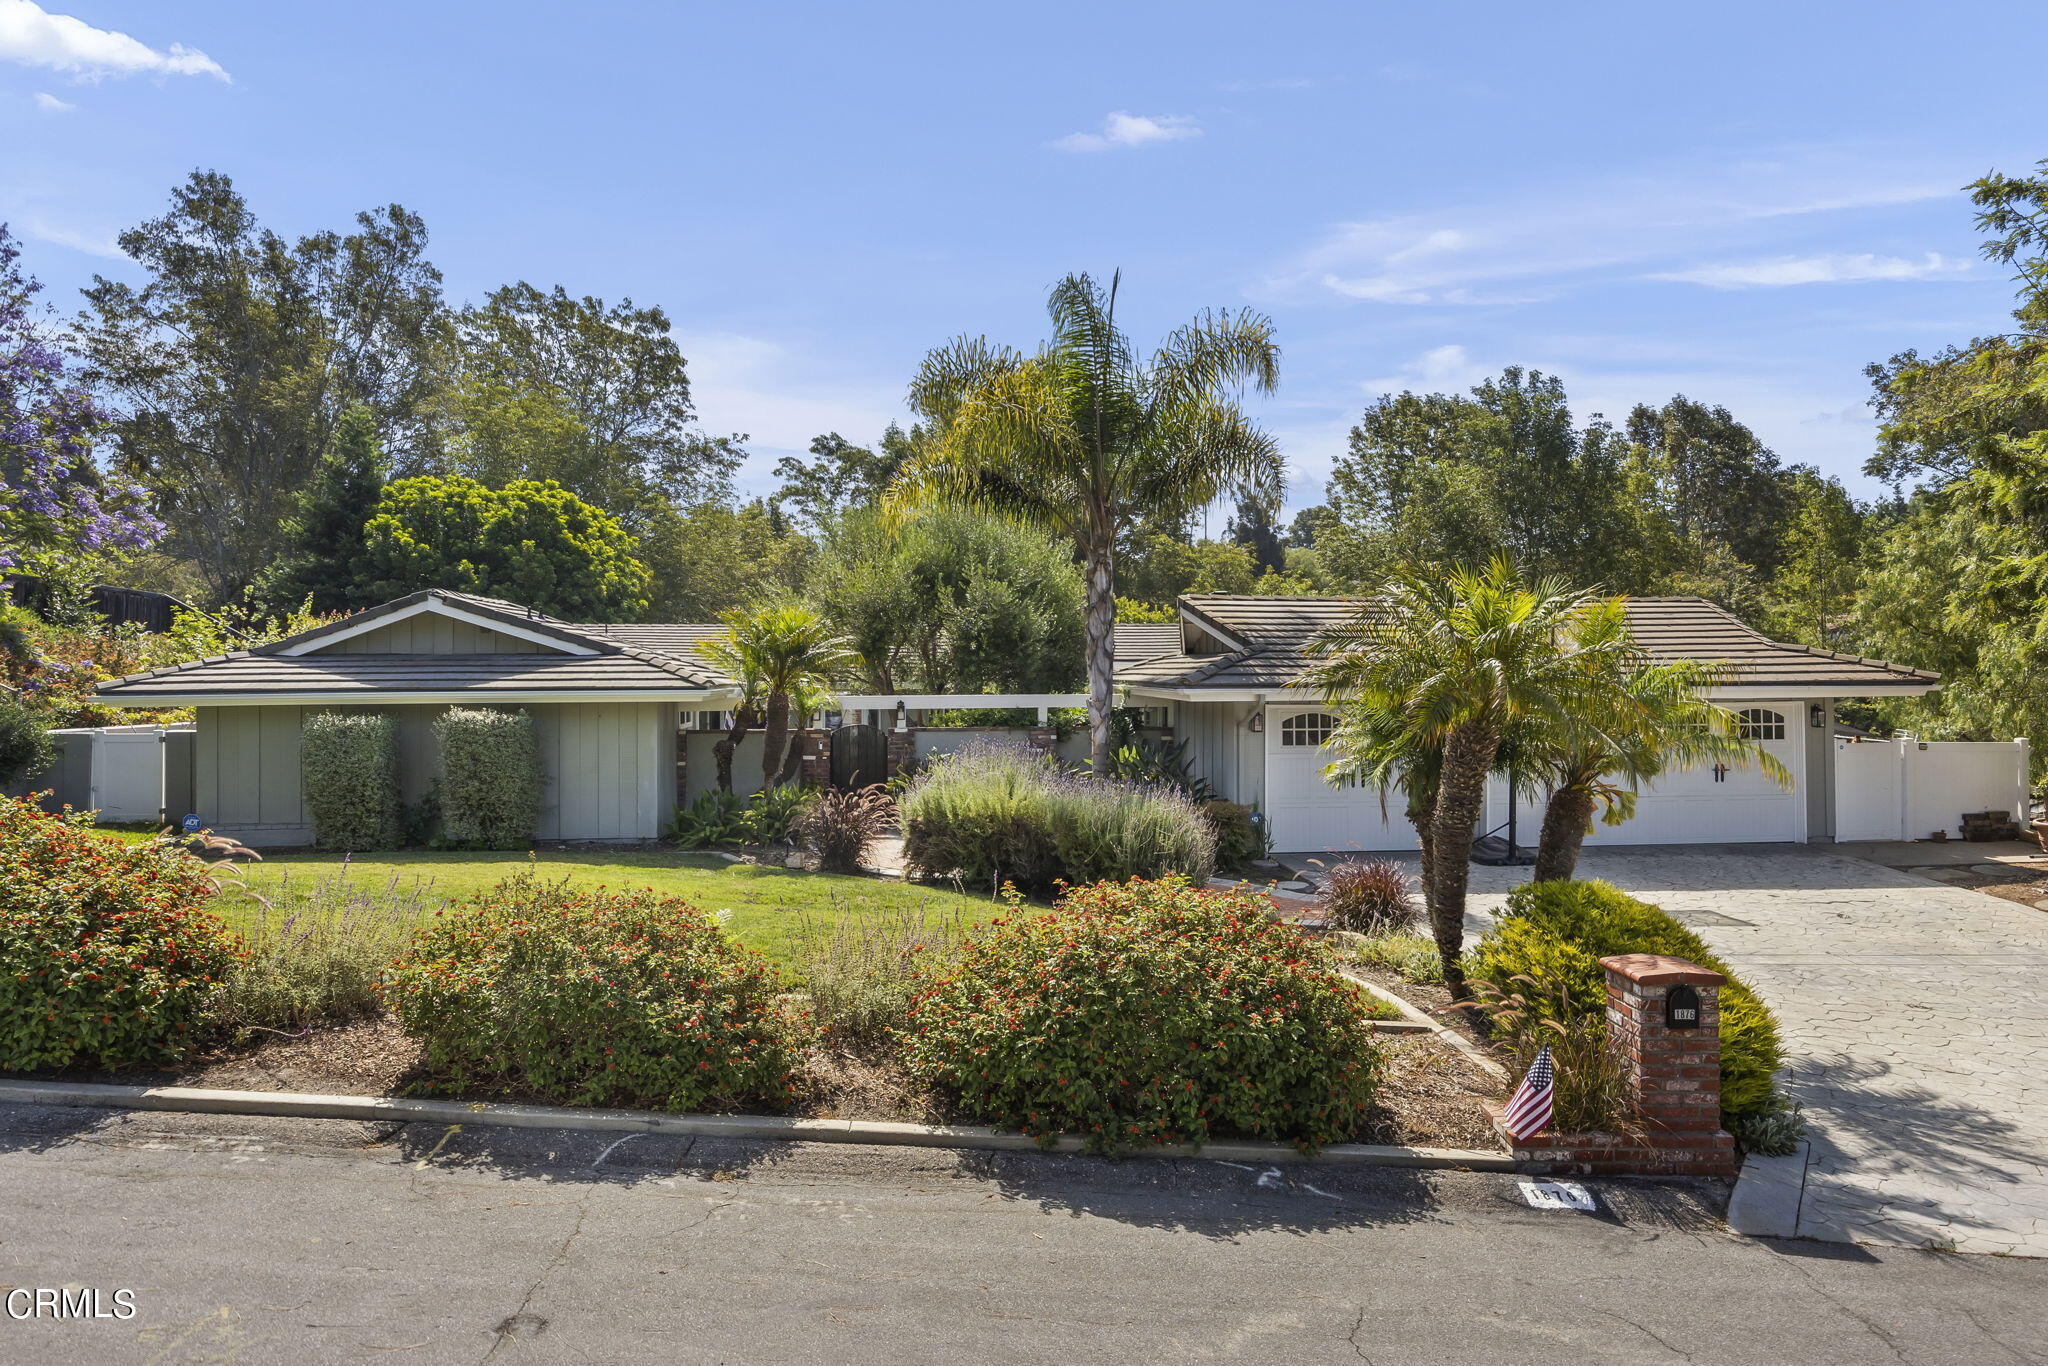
(1443, 668)
(1086, 438)
(1642, 720)
(777, 651)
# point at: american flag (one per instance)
(1529, 1110)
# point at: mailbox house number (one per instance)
(1682, 1008)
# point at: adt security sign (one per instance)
(191, 823)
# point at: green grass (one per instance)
(766, 903)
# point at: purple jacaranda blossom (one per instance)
(54, 499)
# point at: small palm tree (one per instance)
(1084, 438)
(778, 651)
(1642, 720)
(1444, 668)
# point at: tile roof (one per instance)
(1276, 631)
(624, 659)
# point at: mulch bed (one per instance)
(1430, 1095)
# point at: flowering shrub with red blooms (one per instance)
(1147, 1012)
(589, 997)
(108, 955)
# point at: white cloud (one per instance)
(1439, 370)
(1558, 238)
(1830, 268)
(50, 104)
(1121, 129)
(91, 243)
(33, 36)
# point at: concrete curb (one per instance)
(196, 1100)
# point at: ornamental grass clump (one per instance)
(1147, 1012)
(490, 777)
(842, 827)
(109, 952)
(315, 949)
(590, 997)
(991, 814)
(1548, 944)
(1369, 896)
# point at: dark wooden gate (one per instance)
(860, 756)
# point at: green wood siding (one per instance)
(430, 633)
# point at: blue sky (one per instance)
(1745, 203)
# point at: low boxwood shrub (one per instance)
(348, 770)
(1147, 1012)
(588, 997)
(109, 953)
(1556, 933)
(490, 777)
(995, 814)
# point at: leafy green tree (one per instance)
(1254, 528)
(1959, 582)
(1820, 553)
(957, 601)
(1718, 483)
(778, 650)
(326, 534)
(711, 557)
(1086, 439)
(228, 368)
(538, 384)
(1159, 567)
(533, 543)
(841, 476)
(1448, 666)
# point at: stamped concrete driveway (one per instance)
(1916, 1028)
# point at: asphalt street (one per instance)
(261, 1240)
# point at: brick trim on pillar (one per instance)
(902, 750)
(1041, 740)
(814, 757)
(1673, 1077)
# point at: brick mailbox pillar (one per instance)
(814, 751)
(1041, 739)
(1664, 1030)
(902, 750)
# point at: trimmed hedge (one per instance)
(1147, 1012)
(348, 767)
(490, 777)
(109, 956)
(1557, 933)
(583, 997)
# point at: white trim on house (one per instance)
(440, 607)
(382, 697)
(928, 701)
(1729, 694)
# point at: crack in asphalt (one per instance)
(1352, 1337)
(1650, 1333)
(504, 1335)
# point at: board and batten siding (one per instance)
(1222, 750)
(430, 633)
(607, 768)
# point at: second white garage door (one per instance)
(1724, 804)
(1307, 812)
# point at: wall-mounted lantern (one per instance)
(1682, 1008)
(1817, 716)
(1257, 725)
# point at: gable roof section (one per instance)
(586, 663)
(1277, 631)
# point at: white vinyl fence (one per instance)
(126, 773)
(1906, 789)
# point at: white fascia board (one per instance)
(446, 609)
(703, 700)
(927, 701)
(1764, 693)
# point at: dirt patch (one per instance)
(1431, 1096)
(373, 1058)
(836, 1084)
(2022, 883)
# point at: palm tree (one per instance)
(1444, 669)
(1644, 720)
(776, 651)
(1084, 438)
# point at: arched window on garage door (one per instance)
(1309, 728)
(1759, 723)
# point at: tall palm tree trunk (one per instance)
(1101, 653)
(1565, 822)
(1460, 798)
(775, 735)
(728, 745)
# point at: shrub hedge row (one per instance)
(348, 767)
(490, 777)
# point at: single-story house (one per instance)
(607, 704)
(1257, 737)
(613, 706)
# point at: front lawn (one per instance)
(766, 903)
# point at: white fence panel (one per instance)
(1906, 789)
(128, 773)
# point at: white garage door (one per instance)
(1720, 803)
(1306, 811)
